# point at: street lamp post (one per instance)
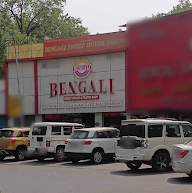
(12, 33)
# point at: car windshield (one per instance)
(6, 133)
(39, 130)
(132, 130)
(79, 135)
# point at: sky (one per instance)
(104, 16)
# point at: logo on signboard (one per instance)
(82, 68)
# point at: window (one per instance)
(187, 130)
(173, 131)
(113, 133)
(6, 133)
(132, 130)
(56, 130)
(39, 130)
(67, 130)
(102, 134)
(116, 133)
(110, 134)
(155, 131)
(79, 135)
(78, 127)
(23, 134)
(189, 143)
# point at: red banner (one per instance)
(160, 55)
(83, 97)
(85, 45)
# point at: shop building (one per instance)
(79, 79)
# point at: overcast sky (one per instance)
(102, 16)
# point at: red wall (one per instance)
(164, 44)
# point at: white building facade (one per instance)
(83, 86)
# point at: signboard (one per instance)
(84, 105)
(52, 106)
(82, 68)
(15, 106)
(83, 97)
(82, 87)
(161, 64)
(85, 45)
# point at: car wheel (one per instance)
(134, 165)
(2, 157)
(40, 159)
(74, 161)
(20, 154)
(60, 154)
(161, 162)
(97, 157)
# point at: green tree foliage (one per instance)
(184, 5)
(33, 20)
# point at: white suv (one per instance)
(92, 143)
(150, 141)
(48, 139)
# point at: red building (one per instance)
(159, 67)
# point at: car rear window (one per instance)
(132, 130)
(39, 130)
(189, 143)
(80, 135)
(6, 133)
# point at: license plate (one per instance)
(74, 145)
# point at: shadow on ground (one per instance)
(180, 181)
(85, 163)
(140, 172)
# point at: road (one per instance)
(49, 177)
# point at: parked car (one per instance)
(92, 143)
(150, 141)
(14, 141)
(182, 158)
(47, 139)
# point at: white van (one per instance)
(150, 141)
(47, 139)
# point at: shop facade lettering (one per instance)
(81, 87)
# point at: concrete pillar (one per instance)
(38, 118)
(11, 122)
(99, 119)
(128, 116)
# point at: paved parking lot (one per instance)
(49, 177)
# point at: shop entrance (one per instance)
(88, 119)
(113, 119)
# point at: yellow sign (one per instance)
(15, 106)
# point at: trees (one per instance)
(184, 5)
(33, 20)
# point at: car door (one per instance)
(173, 136)
(56, 136)
(113, 138)
(67, 130)
(106, 142)
(22, 138)
(155, 137)
(187, 132)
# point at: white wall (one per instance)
(104, 66)
(26, 74)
